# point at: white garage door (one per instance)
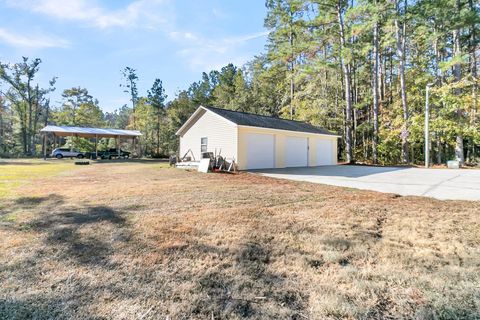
(260, 151)
(324, 152)
(296, 152)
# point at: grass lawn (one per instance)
(13, 173)
(139, 240)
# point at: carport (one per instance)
(82, 132)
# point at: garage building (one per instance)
(255, 141)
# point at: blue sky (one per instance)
(87, 42)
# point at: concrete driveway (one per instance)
(444, 184)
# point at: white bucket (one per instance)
(453, 164)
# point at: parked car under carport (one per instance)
(60, 153)
(111, 153)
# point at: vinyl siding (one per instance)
(280, 137)
(221, 134)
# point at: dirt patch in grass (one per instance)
(140, 240)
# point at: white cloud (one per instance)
(219, 13)
(205, 54)
(144, 13)
(179, 36)
(247, 37)
(34, 41)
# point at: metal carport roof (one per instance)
(64, 131)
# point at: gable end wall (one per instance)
(222, 135)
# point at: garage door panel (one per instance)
(324, 152)
(296, 152)
(260, 151)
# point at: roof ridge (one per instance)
(258, 120)
(261, 115)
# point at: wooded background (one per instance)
(357, 68)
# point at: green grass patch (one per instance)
(162, 165)
(10, 217)
(15, 173)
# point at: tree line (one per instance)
(358, 68)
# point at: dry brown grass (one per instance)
(137, 240)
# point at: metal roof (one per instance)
(91, 132)
(256, 120)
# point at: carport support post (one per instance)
(133, 142)
(45, 146)
(96, 148)
(117, 145)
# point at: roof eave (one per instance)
(304, 132)
(190, 119)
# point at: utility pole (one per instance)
(427, 135)
(292, 66)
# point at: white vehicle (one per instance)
(60, 153)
